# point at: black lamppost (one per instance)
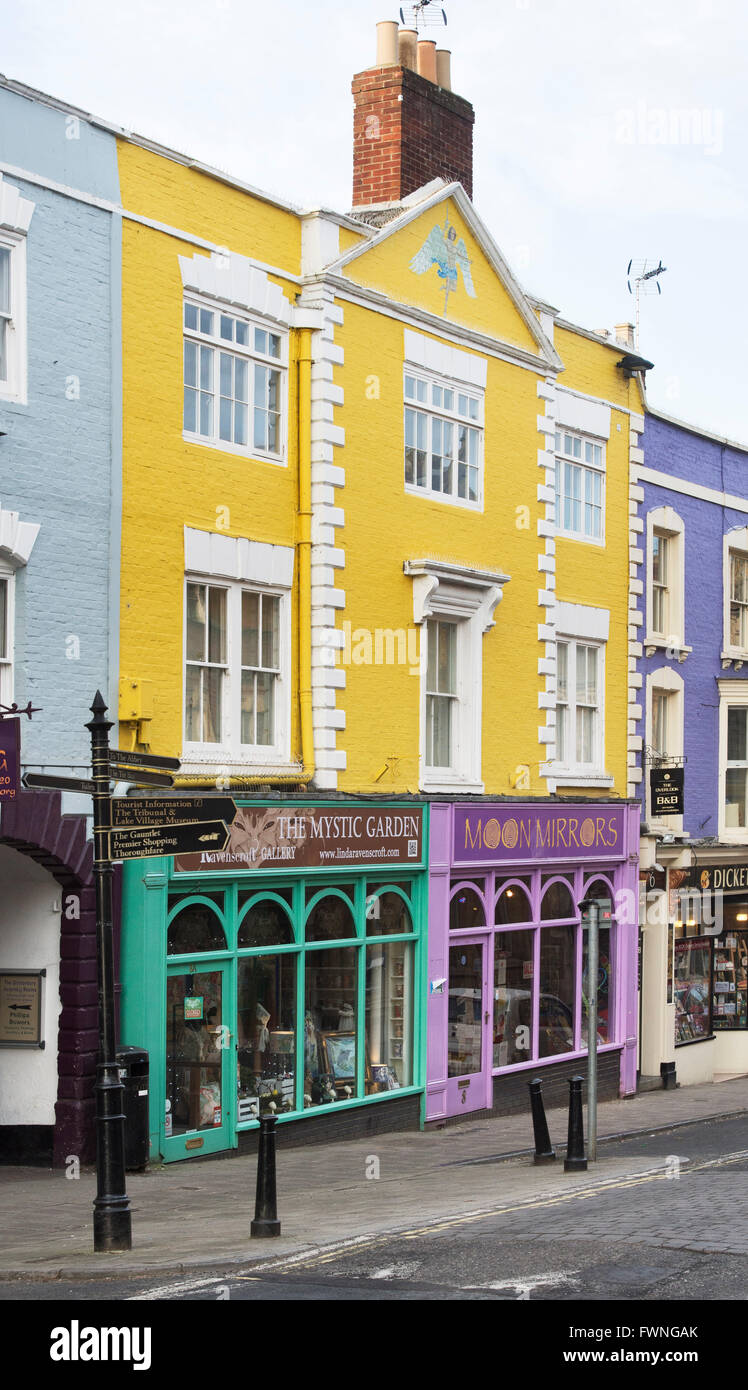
(111, 1215)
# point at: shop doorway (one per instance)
(468, 1068)
(196, 1115)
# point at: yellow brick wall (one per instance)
(165, 191)
(595, 575)
(384, 526)
(168, 483)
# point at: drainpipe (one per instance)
(305, 550)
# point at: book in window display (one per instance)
(730, 988)
(692, 990)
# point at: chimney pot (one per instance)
(408, 49)
(444, 68)
(387, 31)
(427, 59)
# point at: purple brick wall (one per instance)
(690, 458)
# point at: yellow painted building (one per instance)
(341, 554)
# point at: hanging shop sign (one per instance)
(10, 757)
(509, 834)
(21, 1008)
(666, 791)
(296, 837)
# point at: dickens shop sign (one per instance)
(723, 878)
(503, 834)
(304, 837)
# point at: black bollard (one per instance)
(575, 1161)
(544, 1150)
(266, 1221)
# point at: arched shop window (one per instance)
(513, 905)
(331, 919)
(557, 902)
(195, 930)
(265, 923)
(466, 909)
(387, 914)
(599, 888)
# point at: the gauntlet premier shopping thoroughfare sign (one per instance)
(159, 839)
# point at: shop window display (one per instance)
(557, 901)
(266, 1034)
(331, 919)
(194, 1034)
(330, 1025)
(195, 930)
(604, 986)
(513, 997)
(557, 990)
(387, 914)
(266, 923)
(466, 908)
(692, 987)
(513, 905)
(465, 1032)
(730, 982)
(389, 1016)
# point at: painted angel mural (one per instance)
(442, 249)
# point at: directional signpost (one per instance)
(177, 839)
(127, 828)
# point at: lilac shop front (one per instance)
(507, 952)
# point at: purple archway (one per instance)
(33, 824)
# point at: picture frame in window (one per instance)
(339, 1055)
(282, 1042)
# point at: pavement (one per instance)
(195, 1215)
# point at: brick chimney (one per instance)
(409, 127)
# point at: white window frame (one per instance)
(467, 598)
(571, 768)
(15, 387)
(7, 577)
(664, 681)
(734, 541)
(670, 525)
(433, 412)
(252, 357)
(594, 441)
(588, 626)
(230, 748)
(731, 693)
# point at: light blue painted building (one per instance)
(60, 471)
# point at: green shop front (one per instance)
(281, 975)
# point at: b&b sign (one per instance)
(666, 791)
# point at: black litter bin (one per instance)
(133, 1071)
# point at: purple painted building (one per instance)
(692, 658)
(507, 954)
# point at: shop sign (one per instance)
(653, 880)
(21, 1008)
(666, 791)
(193, 1006)
(304, 837)
(725, 878)
(10, 757)
(504, 834)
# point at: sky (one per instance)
(604, 132)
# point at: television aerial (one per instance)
(423, 15)
(642, 277)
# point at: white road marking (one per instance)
(169, 1290)
(398, 1271)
